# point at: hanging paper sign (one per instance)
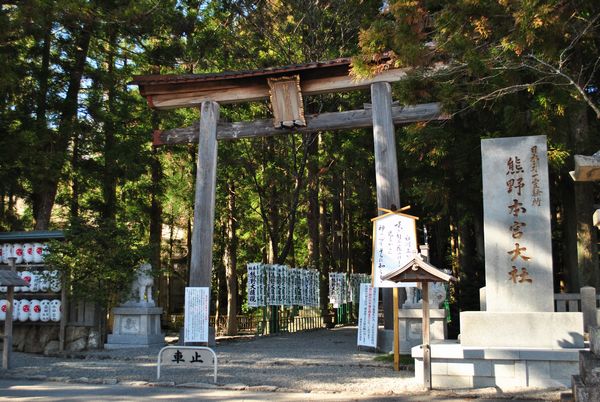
(297, 287)
(394, 245)
(196, 314)
(270, 281)
(252, 285)
(333, 288)
(288, 286)
(367, 315)
(314, 302)
(261, 287)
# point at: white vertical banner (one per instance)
(298, 287)
(315, 288)
(196, 314)
(288, 286)
(261, 296)
(281, 279)
(271, 284)
(252, 285)
(367, 315)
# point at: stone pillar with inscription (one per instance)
(518, 252)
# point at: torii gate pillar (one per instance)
(386, 171)
(204, 199)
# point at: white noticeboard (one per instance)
(394, 245)
(367, 315)
(196, 315)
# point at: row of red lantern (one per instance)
(40, 281)
(33, 310)
(28, 253)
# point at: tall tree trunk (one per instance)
(312, 216)
(156, 212)
(272, 203)
(583, 237)
(75, 189)
(325, 267)
(231, 260)
(44, 191)
(336, 223)
(42, 101)
(109, 183)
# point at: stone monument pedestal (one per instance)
(410, 331)
(507, 350)
(456, 366)
(136, 327)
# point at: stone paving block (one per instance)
(450, 382)
(538, 369)
(504, 369)
(439, 368)
(473, 368)
(562, 370)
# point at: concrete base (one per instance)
(410, 327)
(135, 327)
(521, 330)
(457, 366)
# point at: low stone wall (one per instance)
(457, 366)
(44, 338)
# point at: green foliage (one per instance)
(99, 262)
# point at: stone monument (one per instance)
(137, 321)
(518, 341)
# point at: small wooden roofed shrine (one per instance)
(417, 270)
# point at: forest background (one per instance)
(76, 153)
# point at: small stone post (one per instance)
(588, 307)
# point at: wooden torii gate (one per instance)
(285, 86)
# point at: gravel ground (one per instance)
(311, 361)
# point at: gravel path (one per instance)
(311, 361)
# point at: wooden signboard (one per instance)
(394, 244)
